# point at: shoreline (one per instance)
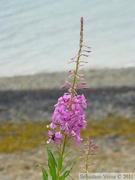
(94, 78)
(32, 98)
(38, 105)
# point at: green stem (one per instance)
(74, 82)
(64, 144)
(77, 64)
(62, 152)
(87, 162)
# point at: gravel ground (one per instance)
(114, 155)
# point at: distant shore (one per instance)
(95, 79)
(32, 98)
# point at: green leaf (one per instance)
(60, 160)
(67, 154)
(44, 173)
(66, 173)
(52, 164)
(70, 162)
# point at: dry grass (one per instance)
(24, 136)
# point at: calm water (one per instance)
(42, 36)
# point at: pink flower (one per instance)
(70, 119)
(56, 137)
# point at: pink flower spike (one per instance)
(62, 87)
(65, 85)
(81, 65)
(83, 62)
(52, 125)
(68, 83)
(56, 137)
(83, 83)
(86, 87)
(72, 61)
(74, 57)
(87, 46)
(86, 51)
(72, 71)
(70, 76)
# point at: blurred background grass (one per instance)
(25, 136)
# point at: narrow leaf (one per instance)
(60, 160)
(70, 162)
(52, 164)
(66, 173)
(67, 154)
(44, 173)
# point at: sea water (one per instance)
(43, 35)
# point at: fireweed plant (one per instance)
(68, 119)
